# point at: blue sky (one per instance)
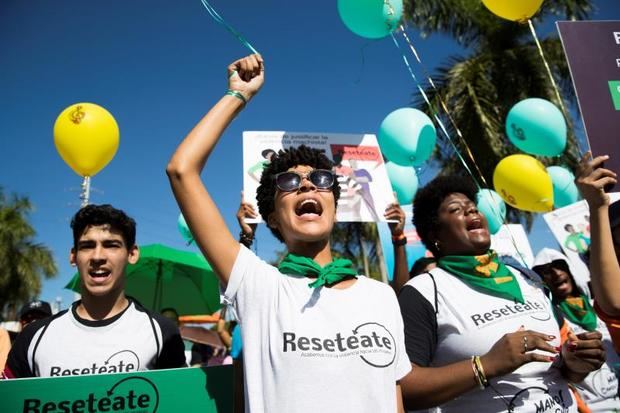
(158, 66)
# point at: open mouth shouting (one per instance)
(99, 274)
(308, 209)
(475, 226)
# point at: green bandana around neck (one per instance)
(579, 311)
(484, 272)
(332, 273)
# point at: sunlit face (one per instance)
(463, 230)
(304, 215)
(557, 278)
(101, 257)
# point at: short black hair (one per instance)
(95, 215)
(567, 226)
(283, 161)
(428, 199)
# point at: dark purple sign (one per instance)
(592, 49)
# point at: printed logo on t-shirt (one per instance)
(123, 361)
(370, 342)
(533, 308)
(604, 382)
(540, 400)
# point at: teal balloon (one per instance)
(537, 126)
(407, 137)
(184, 230)
(404, 181)
(372, 19)
(493, 207)
(565, 191)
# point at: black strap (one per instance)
(435, 288)
(34, 351)
(151, 320)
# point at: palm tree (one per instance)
(22, 261)
(359, 242)
(503, 66)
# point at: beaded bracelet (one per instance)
(246, 239)
(237, 94)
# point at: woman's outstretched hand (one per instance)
(592, 179)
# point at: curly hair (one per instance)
(283, 161)
(95, 215)
(428, 199)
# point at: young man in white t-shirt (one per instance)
(317, 337)
(105, 331)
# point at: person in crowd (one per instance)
(599, 390)
(5, 347)
(396, 214)
(592, 180)
(401, 274)
(104, 331)
(312, 326)
(482, 337)
(33, 311)
(248, 230)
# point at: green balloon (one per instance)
(372, 19)
(565, 191)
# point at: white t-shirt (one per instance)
(68, 345)
(468, 322)
(600, 388)
(316, 350)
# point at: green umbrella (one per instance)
(165, 277)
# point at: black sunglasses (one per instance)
(288, 181)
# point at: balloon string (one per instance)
(548, 69)
(228, 27)
(494, 204)
(432, 109)
(444, 107)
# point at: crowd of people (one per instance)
(463, 331)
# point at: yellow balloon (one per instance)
(86, 137)
(515, 10)
(523, 182)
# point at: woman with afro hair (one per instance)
(482, 337)
(317, 337)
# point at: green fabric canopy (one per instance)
(165, 277)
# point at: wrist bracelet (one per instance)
(237, 94)
(399, 240)
(479, 372)
(246, 239)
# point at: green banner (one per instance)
(614, 89)
(207, 390)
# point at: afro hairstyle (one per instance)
(95, 215)
(283, 161)
(428, 199)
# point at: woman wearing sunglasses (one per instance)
(317, 337)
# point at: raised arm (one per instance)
(401, 270)
(245, 78)
(604, 268)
